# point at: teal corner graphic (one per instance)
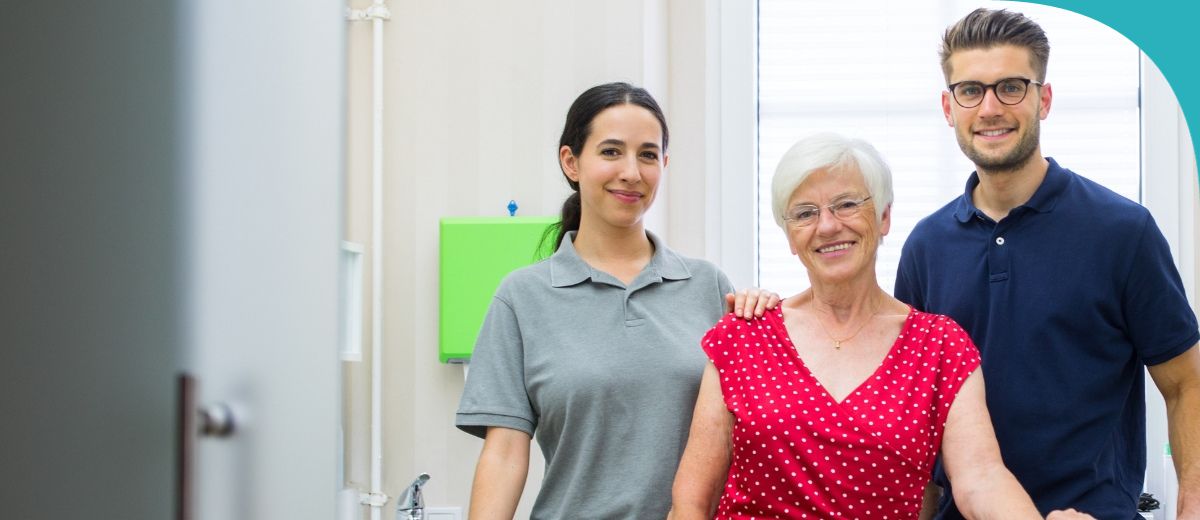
(1164, 31)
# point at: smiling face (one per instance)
(618, 168)
(997, 137)
(837, 250)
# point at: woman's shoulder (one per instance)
(733, 337)
(937, 329)
(696, 273)
(695, 266)
(698, 264)
(732, 326)
(933, 321)
(533, 277)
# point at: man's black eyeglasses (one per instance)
(1010, 91)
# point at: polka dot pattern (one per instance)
(798, 453)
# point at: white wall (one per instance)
(476, 95)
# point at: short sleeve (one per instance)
(957, 360)
(719, 340)
(725, 346)
(495, 393)
(1159, 320)
(724, 286)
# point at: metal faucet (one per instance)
(411, 505)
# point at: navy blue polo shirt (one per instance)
(1068, 298)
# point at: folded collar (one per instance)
(1042, 201)
(567, 268)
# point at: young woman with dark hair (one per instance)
(595, 350)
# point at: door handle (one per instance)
(185, 444)
(215, 420)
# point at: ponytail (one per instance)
(575, 133)
(569, 221)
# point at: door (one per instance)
(264, 130)
(169, 204)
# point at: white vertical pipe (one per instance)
(377, 266)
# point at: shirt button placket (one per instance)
(998, 257)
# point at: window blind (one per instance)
(870, 69)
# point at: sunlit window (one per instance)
(870, 70)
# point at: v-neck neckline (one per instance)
(781, 324)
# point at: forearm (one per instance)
(688, 512)
(1183, 417)
(705, 462)
(992, 492)
(499, 479)
(701, 476)
(1179, 381)
(696, 491)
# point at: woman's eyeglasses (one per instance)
(805, 214)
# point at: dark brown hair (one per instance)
(987, 28)
(575, 133)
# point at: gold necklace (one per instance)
(837, 343)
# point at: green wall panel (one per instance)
(476, 254)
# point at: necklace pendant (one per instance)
(837, 345)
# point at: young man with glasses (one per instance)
(1067, 288)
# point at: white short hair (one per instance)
(829, 151)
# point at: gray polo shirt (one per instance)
(604, 375)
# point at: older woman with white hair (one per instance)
(836, 403)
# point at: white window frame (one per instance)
(1169, 178)
(733, 185)
(1169, 191)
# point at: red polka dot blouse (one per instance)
(797, 453)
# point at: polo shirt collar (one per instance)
(567, 268)
(1042, 201)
